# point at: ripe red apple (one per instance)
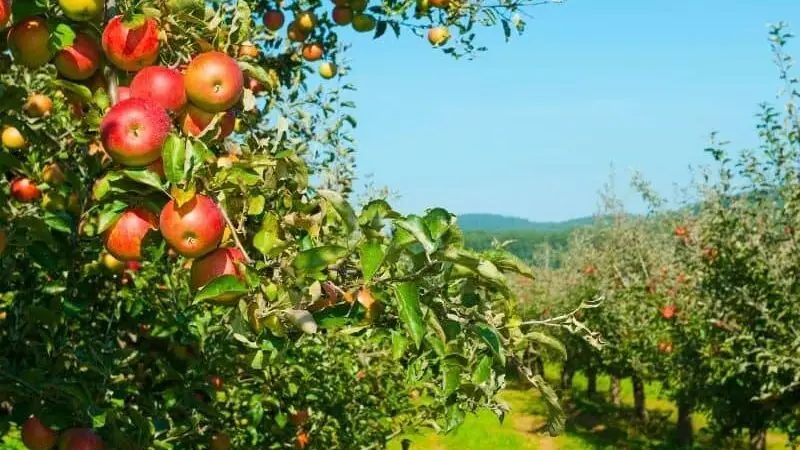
(28, 41)
(312, 51)
(273, 19)
(248, 50)
(131, 46)
(123, 239)
(5, 12)
(214, 81)
(194, 120)
(134, 130)
(38, 436)
(123, 93)
(24, 190)
(216, 382)
(161, 85)
(219, 262)
(80, 439)
(193, 229)
(80, 60)
(668, 312)
(342, 15)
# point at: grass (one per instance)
(592, 423)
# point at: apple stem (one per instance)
(111, 74)
(233, 233)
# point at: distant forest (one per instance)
(481, 229)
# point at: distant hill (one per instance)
(481, 229)
(496, 222)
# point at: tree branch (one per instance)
(235, 236)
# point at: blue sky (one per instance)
(531, 127)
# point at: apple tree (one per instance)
(741, 246)
(180, 263)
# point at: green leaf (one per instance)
(174, 156)
(315, 259)
(454, 417)
(255, 72)
(201, 152)
(7, 160)
(408, 306)
(266, 240)
(57, 222)
(226, 284)
(27, 8)
(380, 29)
(505, 260)
(258, 360)
(482, 371)
(185, 6)
(243, 20)
(375, 212)
(144, 176)
(491, 339)
(371, 255)
(109, 215)
(83, 92)
(255, 205)
(399, 345)
(438, 221)
(548, 341)
(341, 206)
(452, 376)
(416, 227)
(61, 37)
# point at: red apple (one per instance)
(214, 81)
(312, 51)
(194, 120)
(162, 85)
(668, 312)
(123, 93)
(273, 19)
(5, 12)
(80, 439)
(134, 130)
(28, 41)
(24, 190)
(193, 229)
(123, 239)
(38, 436)
(219, 262)
(131, 46)
(216, 382)
(80, 60)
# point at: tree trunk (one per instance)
(614, 391)
(566, 377)
(684, 430)
(639, 409)
(591, 382)
(758, 439)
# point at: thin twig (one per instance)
(235, 236)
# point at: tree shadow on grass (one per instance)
(602, 425)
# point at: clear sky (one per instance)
(531, 127)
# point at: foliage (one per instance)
(339, 328)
